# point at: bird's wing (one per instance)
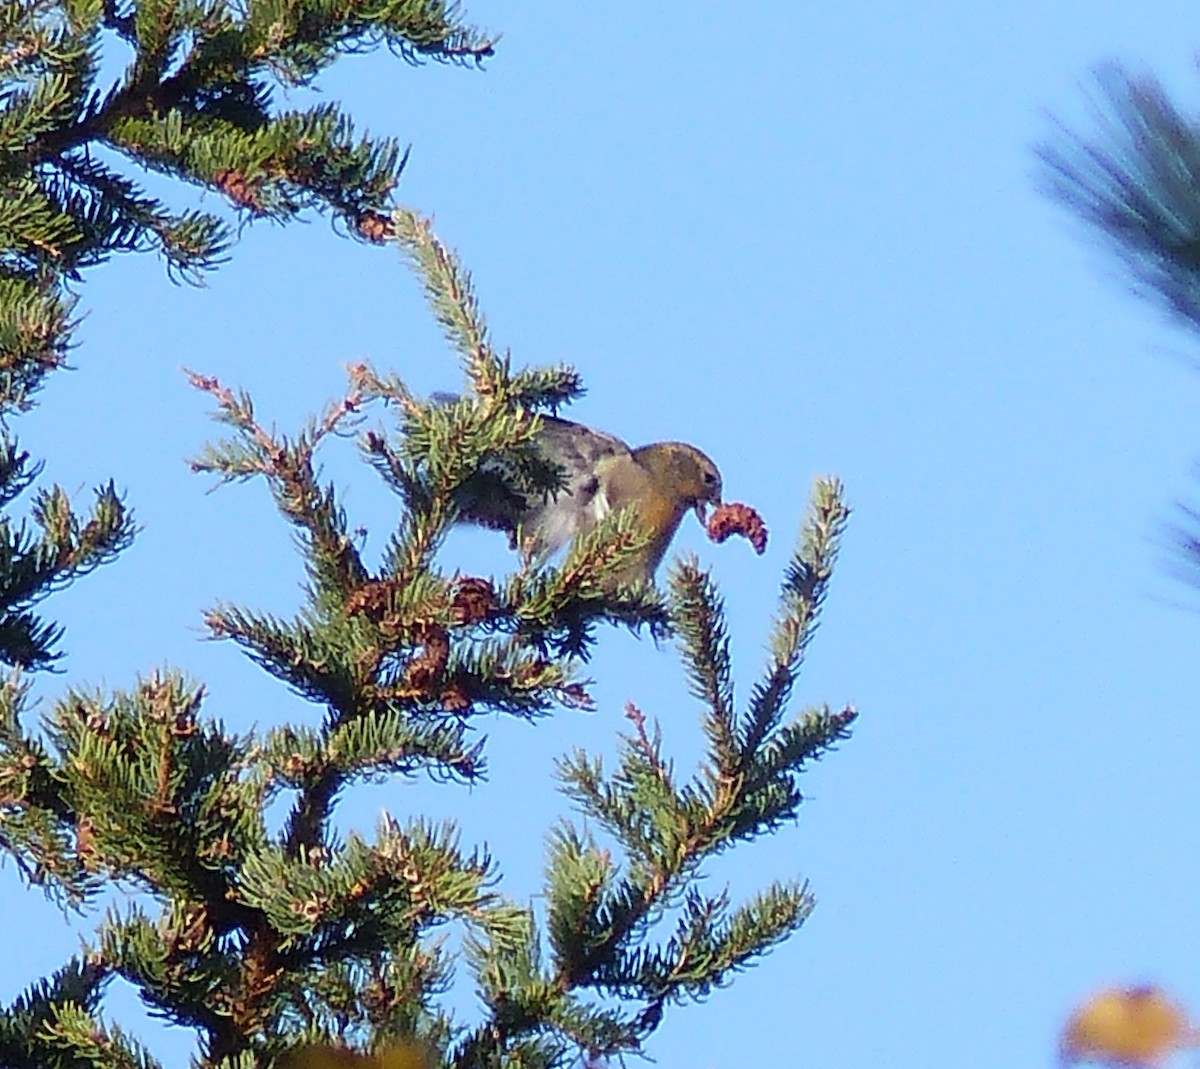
(553, 521)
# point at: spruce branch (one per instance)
(711, 941)
(67, 545)
(255, 930)
(36, 816)
(803, 593)
(155, 785)
(451, 297)
(194, 103)
(35, 327)
(56, 1023)
(602, 913)
(288, 468)
(699, 621)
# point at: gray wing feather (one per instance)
(550, 523)
(544, 523)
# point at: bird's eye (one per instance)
(709, 478)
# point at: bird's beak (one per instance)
(701, 511)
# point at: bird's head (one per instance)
(687, 474)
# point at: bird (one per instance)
(601, 474)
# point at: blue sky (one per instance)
(809, 242)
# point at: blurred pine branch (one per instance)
(1134, 180)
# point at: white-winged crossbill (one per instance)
(602, 474)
